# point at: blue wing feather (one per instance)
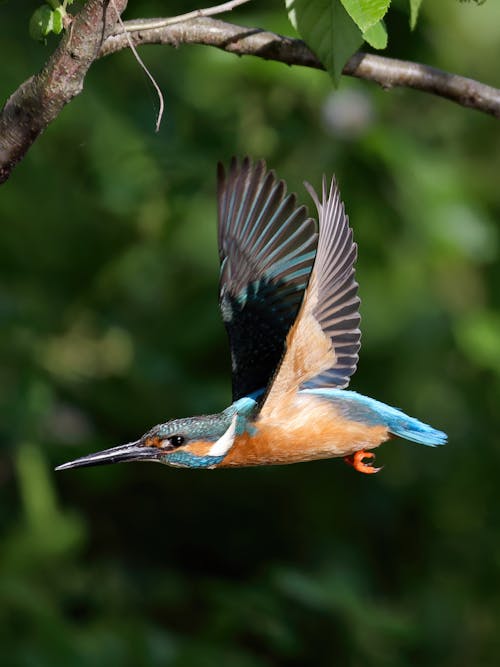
(267, 246)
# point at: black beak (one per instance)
(132, 451)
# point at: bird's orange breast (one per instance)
(305, 428)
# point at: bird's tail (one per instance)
(369, 411)
(415, 430)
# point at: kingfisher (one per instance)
(289, 301)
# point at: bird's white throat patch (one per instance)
(225, 442)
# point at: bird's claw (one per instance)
(356, 461)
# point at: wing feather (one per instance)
(267, 246)
(323, 344)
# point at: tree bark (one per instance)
(95, 33)
(40, 99)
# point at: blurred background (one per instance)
(109, 324)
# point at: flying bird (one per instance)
(289, 302)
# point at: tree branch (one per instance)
(40, 99)
(388, 72)
(94, 33)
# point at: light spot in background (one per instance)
(347, 113)
(84, 352)
(467, 230)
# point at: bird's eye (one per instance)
(176, 440)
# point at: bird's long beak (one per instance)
(132, 451)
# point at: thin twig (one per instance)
(141, 63)
(153, 24)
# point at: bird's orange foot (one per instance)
(356, 461)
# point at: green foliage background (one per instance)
(109, 324)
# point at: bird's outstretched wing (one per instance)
(267, 246)
(323, 344)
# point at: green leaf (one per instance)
(376, 36)
(414, 9)
(41, 22)
(328, 30)
(366, 13)
(57, 17)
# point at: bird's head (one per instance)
(194, 442)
